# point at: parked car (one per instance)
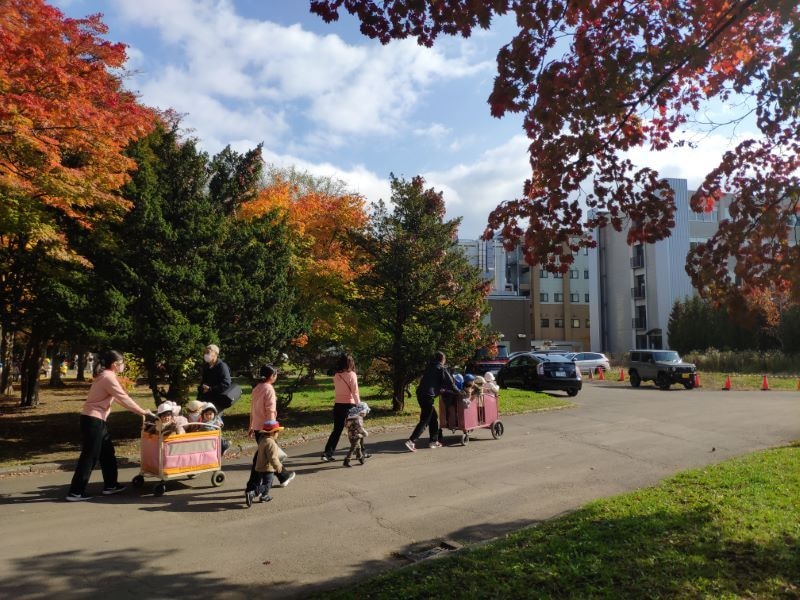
(590, 361)
(663, 367)
(486, 362)
(541, 372)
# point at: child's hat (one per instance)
(270, 426)
(479, 381)
(488, 376)
(194, 406)
(167, 407)
(208, 406)
(357, 409)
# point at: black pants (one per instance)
(427, 417)
(96, 445)
(340, 411)
(220, 401)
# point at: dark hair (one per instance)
(110, 357)
(439, 357)
(266, 372)
(345, 363)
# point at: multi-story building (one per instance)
(637, 286)
(531, 308)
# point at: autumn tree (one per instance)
(65, 120)
(321, 214)
(594, 80)
(419, 293)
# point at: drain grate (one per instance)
(427, 552)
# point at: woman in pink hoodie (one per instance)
(96, 442)
(345, 385)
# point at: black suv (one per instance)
(663, 367)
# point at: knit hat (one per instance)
(213, 347)
(488, 376)
(270, 426)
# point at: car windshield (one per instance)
(666, 357)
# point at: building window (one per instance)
(558, 276)
(559, 323)
(574, 297)
(542, 274)
(586, 251)
(587, 323)
(544, 297)
(573, 274)
(586, 273)
(576, 323)
(586, 298)
(557, 297)
(706, 217)
(545, 323)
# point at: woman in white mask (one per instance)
(96, 442)
(215, 379)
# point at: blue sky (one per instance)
(325, 99)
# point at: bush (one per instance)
(745, 361)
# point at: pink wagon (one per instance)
(180, 456)
(481, 413)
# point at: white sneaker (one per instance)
(435, 445)
(288, 479)
(410, 445)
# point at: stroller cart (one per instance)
(479, 413)
(179, 456)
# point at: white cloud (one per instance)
(339, 88)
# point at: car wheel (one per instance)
(572, 392)
(688, 384)
(635, 380)
(662, 382)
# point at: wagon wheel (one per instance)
(464, 439)
(497, 429)
(138, 481)
(217, 478)
(159, 489)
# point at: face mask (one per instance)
(120, 367)
(193, 417)
(207, 357)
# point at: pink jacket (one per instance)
(263, 405)
(105, 389)
(345, 386)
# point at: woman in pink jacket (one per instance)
(96, 442)
(345, 385)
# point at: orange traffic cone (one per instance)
(600, 377)
(622, 375)
(696, 380)
(764, 384)
(590, 374)
(727, 386)
(798, 385)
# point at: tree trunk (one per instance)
(81, 364)
(152, 378)
(55, 372)
(6, 352)
(398, 394)
(31, 364)
(178, 385)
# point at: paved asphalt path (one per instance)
(333, 524)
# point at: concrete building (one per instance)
(531, 308)
(636, 286)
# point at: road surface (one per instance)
(334, 524)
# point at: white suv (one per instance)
(590, 361)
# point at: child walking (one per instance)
(268, 465)
(356, 432)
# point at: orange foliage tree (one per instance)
(320, 213)
(65, 120)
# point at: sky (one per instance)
(323, 98)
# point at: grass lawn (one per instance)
(50, 433)
(727, 531)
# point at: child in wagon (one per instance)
(356, 433)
